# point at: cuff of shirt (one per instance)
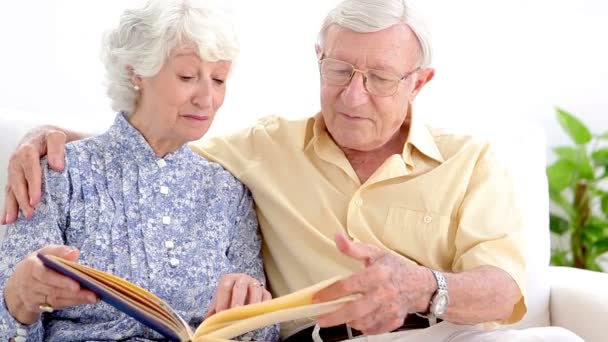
(13, 328)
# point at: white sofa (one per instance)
(570, 298)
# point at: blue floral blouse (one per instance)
(172, 225)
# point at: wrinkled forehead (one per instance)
(393, 46)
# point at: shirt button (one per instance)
(164, 190)
(169, 244)
(174, 262)
(358, 202)
(166, 220)
(428, 219)
(161, 163)
(20, 339)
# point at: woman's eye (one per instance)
(186, 78)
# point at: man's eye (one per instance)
(379, 79)
(186, 78)
(219, 81)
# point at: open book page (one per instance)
(237, 321)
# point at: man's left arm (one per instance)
(486, 280)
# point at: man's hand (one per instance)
(390, 290)
(33, 284)
(24, 174)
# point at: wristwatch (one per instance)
(440, 299)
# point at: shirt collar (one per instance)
(422, 139)
(131, 142)
(419, 136)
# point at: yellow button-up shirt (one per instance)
(444, 203)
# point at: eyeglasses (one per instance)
(376, 82)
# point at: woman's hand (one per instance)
(237, 289)
(33, 285)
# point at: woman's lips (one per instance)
(196, 117)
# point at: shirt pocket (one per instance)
(425, 237)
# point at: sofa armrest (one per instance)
(579, 301)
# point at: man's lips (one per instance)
(352, 116)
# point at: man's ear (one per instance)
(318, 51)
(424, 76)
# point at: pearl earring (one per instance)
(136, 87)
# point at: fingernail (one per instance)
(69, 250)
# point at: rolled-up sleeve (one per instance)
(490, 227)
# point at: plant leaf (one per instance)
(601, 156)
(605, 204)
(561, 174)
(558, 225)
(577, 131)
(558, 199)
(600, 247)
(593, 232)
(560, 258)
(578, 156)
(591, 264)
(567, 152)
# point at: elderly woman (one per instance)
(126, 203)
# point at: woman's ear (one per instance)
(135, 78)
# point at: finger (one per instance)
(224, 294)
(211, 309)
(62, 251)
(32, 175)
(352, 311)
(18, 186)
(356, 283)
(358, 251)
(239, 292)
(254, 293)
(47, 276)
(11, 208)
(55, 146)
(33, 302)
(266, 296)
(54, 279)
(67, 299)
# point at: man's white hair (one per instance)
(375, 15)
(147, 35)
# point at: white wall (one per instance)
(495, 60)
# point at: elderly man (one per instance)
(424, 221)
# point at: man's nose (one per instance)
(354, 94)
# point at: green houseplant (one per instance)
(577, 189)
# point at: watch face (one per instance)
(440, 304)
